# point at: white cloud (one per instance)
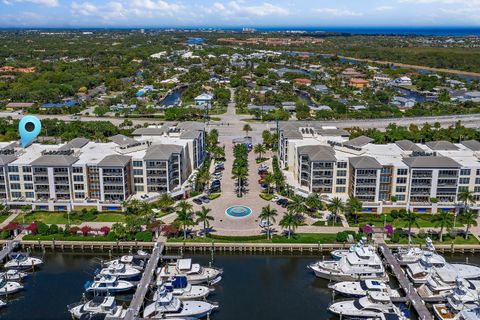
(48, 3)
(158, 5)
(339, 12)
(384, 8)
(241, 9)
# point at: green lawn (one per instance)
(446, 240)
(424, 221)
(296, 238)
(4, 217)
(330, 223)
(61, 237)
(61, 218)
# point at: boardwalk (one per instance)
(412, 294)
(133, 311)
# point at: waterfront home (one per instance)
(402, 81)
(320, 88)
(18, 105)
(123, 106)
(302, 81)
(289, 106)
(402, 102)
(381, 78)
(204, 99)
(351, 73)
(358, 83)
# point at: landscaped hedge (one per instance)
(238, 238)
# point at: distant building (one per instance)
(403, 103)
(320, 108)
(65, 104)
(19, 105)
(358, 108)
(289, 106)
(205, 99)
(321, 88)
(382, 78)
(302, 81)
(402, 81)
(264, 108)
(358, 83)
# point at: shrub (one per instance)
(213, 196)
(422, 234)
(85, 230)
(394, 214)
(74, 230)
(144, 236)
(42, 228)
(105, 230)
(342, 236)
(238, 238)
(53, 229)
(4, 234)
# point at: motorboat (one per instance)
(13, 275)
(338, 254)
(195, 273)
(462, 298)
(22, 261)
(2, 304)
(420, 271)
(181, 289)
(361, 264)
(470, 314)
(98, 305)
(358, 289)
(442, 282)
(108, 284)
(414, 254)
(9, 287)
(375, 305)
(121, 271)
(137, 261)
(167, 306)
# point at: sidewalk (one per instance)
(9, 219)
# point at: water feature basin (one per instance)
(238, 211)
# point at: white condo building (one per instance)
(87, 174)
(420, 177)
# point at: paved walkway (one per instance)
(9, 219)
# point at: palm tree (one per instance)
(470, 218)
(146, 209)
(353, 206)
(336, 206)
(260, 150)
(165, 201)
(184, 216)
(269, 179)
(412, 220)
(290, 221)
(313, 201)
(442, 220)
(247, 128)
(4, 210)
(466, 197)
(240, 174)
(269, 215)
(297, 205)
(204, 217)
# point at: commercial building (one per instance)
(420, 177)
(88, 174)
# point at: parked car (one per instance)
(277, 198)
(215, 189)
(264, 223)
(204, 199)
(197, 201)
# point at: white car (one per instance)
(265, 223)
(276, 199)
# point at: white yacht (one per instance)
(462, 298)
(167, 306)
(181, 289)
(22, 262)
(376, 305)
(413, 254)
(338, 254)
(121, 271)
(108, 284)
(98, 305)
(360, 264)
(13, 275)
(358, 289)
(442, 282)
(470, 314)
(9, 287)
(137, 261)
(420, 271)
(195, 273)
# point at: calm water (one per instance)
(253, 287)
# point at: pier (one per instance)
(412, 295)
(8, 248)
(133, 311)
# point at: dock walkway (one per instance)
(412, 295)
(133, 312)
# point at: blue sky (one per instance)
(238, 13)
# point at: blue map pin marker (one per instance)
(29, 128)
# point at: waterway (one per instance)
(173, 97)
(253, 287)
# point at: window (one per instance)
(465, 172)
(78, 186)
(341, 173)
(79, 195)
(78, 178)
(402, 172)
(29, 186)
(12, 169)
(341, 181)
(478, 172)
(14, 177)
(401, 180)
(400, 197)
(341, 165)
(15, 186)
(464, 180)
(77, 170)
(60, 170)
(138, 180)
(27, 177)
(26, 169)
(477, 180)
(385, 179)
(477, 189)
(386, 170)
(16, 194)
(137, 172)
(401, 189)
(340, 189)
(139, 188)
(29, 194)
(462, 189)
(138, 163)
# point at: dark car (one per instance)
(215, 189)
(204, 199)
(197, 201)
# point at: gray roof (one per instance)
(190, 134)
(318, 153)
(431, 162)
(55, 160)
(122, 140)
(365, 162)
(358, 141)
(407, 145)
(333, 132)
(6, 159)
(114, 160)
(162, 151)
(441, 145)
(149, 131)
(292, 134)
(76, 143)
(473, 145)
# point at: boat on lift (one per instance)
(108, 284)
(137, 261)
(22, 261)
(195, 273)
(98, 305)
(183, 290)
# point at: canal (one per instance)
(253, 287)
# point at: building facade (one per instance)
(420, 177)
